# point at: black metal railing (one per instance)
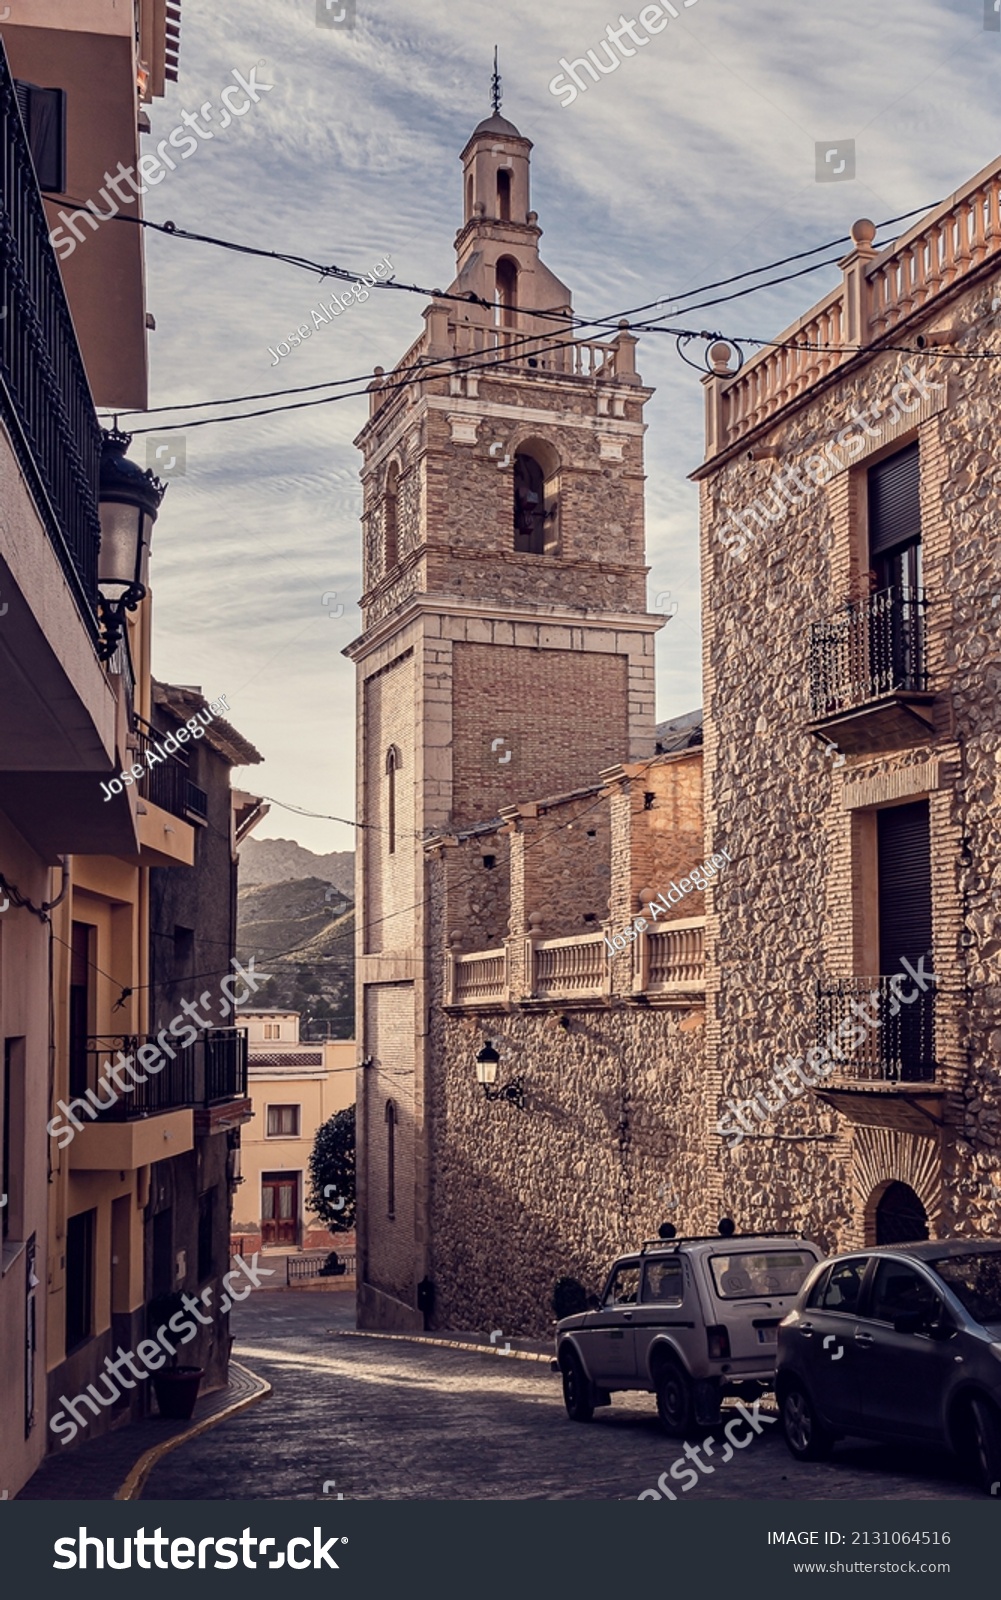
(300, 1268)
(45, 398)
(897, 1043)
(197, 803)
(876, 646)
(211, 1069)
(225, 1056)
(166, 783)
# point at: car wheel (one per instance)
(675, 1402)
(805, 1434)
(985, 1445)
(576, 1389)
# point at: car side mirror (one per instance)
(908, 1322)
(593, 1303)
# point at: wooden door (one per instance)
(280, 1208)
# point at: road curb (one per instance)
(132, 1488)
(443, 1344)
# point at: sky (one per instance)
(694, 160)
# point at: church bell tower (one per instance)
(506, 652)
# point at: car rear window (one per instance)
(749, 1276)
(975, 1280)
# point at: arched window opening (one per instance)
(504, 194)
(394, 762)
(536, 499)
(390, 510)
(900, 1216)
(391, 1120)
(506, 278)
(469, 197)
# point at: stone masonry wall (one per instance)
(797, 904)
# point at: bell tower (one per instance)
(506, 652)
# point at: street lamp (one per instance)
(129, 501)
(487, 1062)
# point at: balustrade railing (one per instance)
(567, 967)
(675, 955)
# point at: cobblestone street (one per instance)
(387, 1420)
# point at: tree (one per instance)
(332, 1171)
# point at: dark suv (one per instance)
(900, 1343)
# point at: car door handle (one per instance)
(627, 1316)
(806, 1329)
(864, 1338)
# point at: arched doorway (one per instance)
(900, 1216)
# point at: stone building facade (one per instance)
(852, 585)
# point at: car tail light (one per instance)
(719, 1344)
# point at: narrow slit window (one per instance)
(393, 764)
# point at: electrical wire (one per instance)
(466, 362)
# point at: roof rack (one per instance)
(714, 1238)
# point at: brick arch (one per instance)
(881, 1156)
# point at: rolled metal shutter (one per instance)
(904, 875)
(894, 501)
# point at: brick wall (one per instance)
(389, 879)
(528, 698)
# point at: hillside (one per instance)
(302, 932)
(282, 861)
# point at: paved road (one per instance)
(390, 1420)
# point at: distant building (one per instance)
(295, 1087)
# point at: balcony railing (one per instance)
(897, 1048)
(167, 784)
(479, 977)
(675, 956)
(45, 399)
(874, 649)
(212, 1069)
(567, 967)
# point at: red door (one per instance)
(280, 1208)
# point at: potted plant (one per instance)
(176, 1387)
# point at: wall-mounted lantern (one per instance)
(129, 502)
(487, 1062)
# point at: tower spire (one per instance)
(495, 87)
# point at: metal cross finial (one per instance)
(495, 87)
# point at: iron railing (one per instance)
(898, 1045)
(45, 398)
(309, 1265)
(875, 647)
(211, 1069)
(166, 783)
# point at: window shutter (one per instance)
(904, 885)
(43, 112)
(894, 501)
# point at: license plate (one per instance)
(768, 1335)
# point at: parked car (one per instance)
(689, 1320)
(898, 1343)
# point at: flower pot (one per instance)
(176, 1391)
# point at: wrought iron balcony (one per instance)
(45, 399)
(167, 784)
(868, 674)
(899, 1044)
(211, 1070)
